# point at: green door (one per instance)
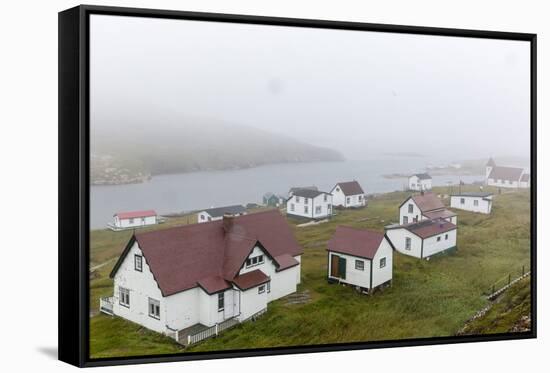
(342, 268)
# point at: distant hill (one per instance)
(127, 155)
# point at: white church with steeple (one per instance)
(506, 176)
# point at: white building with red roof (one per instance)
(506, 176)
(348, 194)
(133, 219)
(424, 206)
(201, 278)
(423, 239)
(360, 257)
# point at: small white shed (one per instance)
(360, 257)
(420, 182)
(133, 219)
(481, 202)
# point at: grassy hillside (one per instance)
(428, 298)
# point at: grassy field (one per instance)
(428, 298)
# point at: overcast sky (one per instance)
(362, 93)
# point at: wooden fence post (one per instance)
(216, 329)
(509, 279)
(523, 271)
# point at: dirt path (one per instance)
(101, 265)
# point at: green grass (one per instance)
(428, 298)
(514, 304)
(114, 336)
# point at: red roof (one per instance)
(506, 173)
(429, 228)
(356, 242)
(436, 214)
(250, 279)
(183, 257)
(285, 261)
(213, 284)
(135, 214)
(350, 188)
(426, 202)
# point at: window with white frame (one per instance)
(138, 263)
(131, 220)
(407, 243)
(438, 238)
(261, 289)
(447, 236)
(154, 308)
(306, 210)
(325, 197)
(348, 200)
(297, 199)
(411, 208)
(124, 297)
(405, 220)
(359, 265)
(292, 207)
(476, 202)
(382, 262)
(462, 201)
(221, 301)
(360, 198)
(317, 209)
(306, 200)
(251, 262)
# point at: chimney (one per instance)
(227, 222)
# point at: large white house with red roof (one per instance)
(424, 238)
(309, 204)
(424, 206)
(360, 257)
(182, 280)
(348, 194)
(133, 219)
(506, 176)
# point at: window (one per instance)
(297, 199)
(360, 198)
(202, 217)
(462, 201)
(255, 261)
(337, 189)
(154, 308)
(268, 287)
(447, 236)
(131, 220)
(317, 209)
(306, 201)
(438, 238)
(411, 208)
(209, 218)
(359, 265)
(415, 219)
(476, 202)
(292, 207)
(407, 243)
(261, 289)
(142, 220)
(221, 301)
(138, 263)
(124, 297)
(306, 210)
(405, 220)
(382, 262)
(325, 197)
(348, 200)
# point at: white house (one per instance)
(419, 182)
(348, 194)
(424, 206)
(133, 219)
(309, 203)
(423, 239)
(217, 213)
(481, 202)
(505, 176)
(360, 257)
(181, 280)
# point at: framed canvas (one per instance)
(235, 186)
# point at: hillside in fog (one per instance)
(126, 153)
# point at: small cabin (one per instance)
(360, 257)
(309, 204)
(423, 239)
(420, 182)
(481, 202)
(133, 219)
(348, 194)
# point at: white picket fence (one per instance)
(212, 331)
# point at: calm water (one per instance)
(198, 190)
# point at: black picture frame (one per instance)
(73, 254)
